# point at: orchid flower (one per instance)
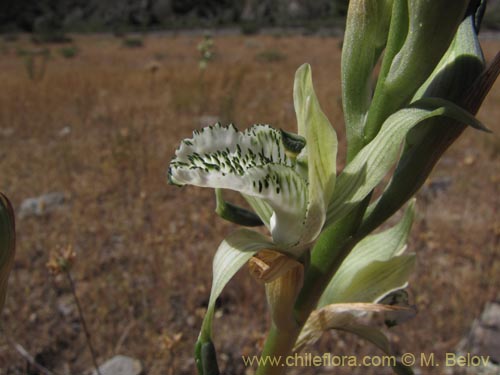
(287, 183)
(288, 179)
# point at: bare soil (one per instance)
(144, 248)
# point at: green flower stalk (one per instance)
(321, 265)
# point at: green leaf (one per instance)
(209, 355)
(372, 163)
(232, 254)
(320, 152)
(235, 214)
(7, 244)
(253, 162)
(460, 66)
(374, 254)
(376, 280)
(452, 111)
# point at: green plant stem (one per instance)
(315, 289)
(279, 344)
(332, 247)
(84, 324)
(330, 250)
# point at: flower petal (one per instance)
(261, 208)
(254, 163)
(227, 150)
(320, 152)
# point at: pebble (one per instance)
(120, 365)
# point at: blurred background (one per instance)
(96, 96)
(53, 16)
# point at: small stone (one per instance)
(172, 227)
(188, 365)
(484, 338)
(32, 318)
(469, 159)
(485, 342)
(436, 186)
(491, 315)
(65, 305)
(120, 364)
(6, 132)
(191, 321)
(41, 205)
(64, 132)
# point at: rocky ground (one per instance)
(96, 124)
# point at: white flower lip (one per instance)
(254, 162)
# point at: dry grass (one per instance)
(144, 248)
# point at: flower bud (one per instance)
(459, 77)
(367, 26)
(420, 34)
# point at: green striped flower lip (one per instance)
(259, 162)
